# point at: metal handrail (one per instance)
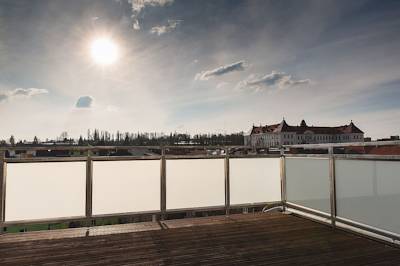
(204, 147)
(343, 144)
(159, 147)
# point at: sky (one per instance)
(198, 66)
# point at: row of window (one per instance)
(323, 137)
(273, 139)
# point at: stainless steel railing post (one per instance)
(332, 186)
(163, 185)
(3, 170)
(89, 187)
(283, 180)
(227, 183)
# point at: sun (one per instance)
(104, 51)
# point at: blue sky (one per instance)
(198, 66)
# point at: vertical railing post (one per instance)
(332, 184)
(227, 183)
(163, 185)
(3, 168)
(89, 187)
(375, 180)
(283, 179)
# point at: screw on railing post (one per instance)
(332, 184)
(3, 168)
(283, 179)
(163, 185)
(89, 187)
(227, 183)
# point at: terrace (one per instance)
(305, 209)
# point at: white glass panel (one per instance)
(126, 186)
(195, 183)
(255, 180)
(368, 192)
(45, 190)
(307, 182)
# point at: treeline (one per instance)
(104, 138)
(99, 138)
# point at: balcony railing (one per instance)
(357, 191)
(360, 192)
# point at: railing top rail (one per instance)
(347, 156)
(339, 145)
(205, 147)
(131, 158)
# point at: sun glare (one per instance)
(104, 51)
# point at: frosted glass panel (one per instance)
(307, 181)
(45, 190)
(255, 180)
(126, 186)
(195, 183)
(368, 192)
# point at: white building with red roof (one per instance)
(280, 134)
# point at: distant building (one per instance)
(373, 150)
(389, 139)
(280, 134)
(21, 153)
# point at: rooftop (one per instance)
(256, 239)
(303, 127)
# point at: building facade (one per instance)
(280, 134)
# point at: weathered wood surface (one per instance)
(252, 239)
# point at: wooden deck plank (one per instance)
(252, 239)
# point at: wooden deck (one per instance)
(252, 239)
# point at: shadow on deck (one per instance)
(252, 239)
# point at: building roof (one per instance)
(284, 127)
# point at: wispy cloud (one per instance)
(112, 108)
(21, 93)
(222, 84)
(139, 5)
(171, 25)
(274, 79)
(222, 70)
(84, 102)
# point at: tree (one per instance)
(12, 140)
(80, 141)
(64, 136)
(35, 140)
(96, 136)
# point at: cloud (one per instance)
(274, 79)
(112, 108)
(84, 102)
(171, 25)
(139, 5)
(29, 92)
(3, 97)
(21, 93)
(222, 70)
(222, 85)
